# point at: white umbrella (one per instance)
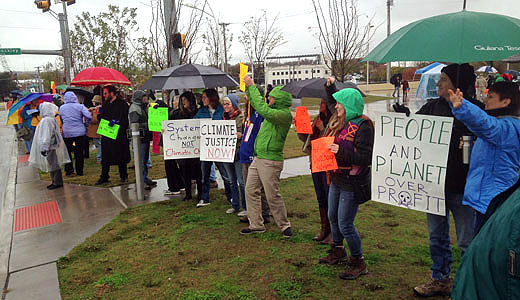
(487, 69)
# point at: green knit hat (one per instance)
(352, 101)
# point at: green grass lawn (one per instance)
(172, 250)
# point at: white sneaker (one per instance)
(230, 211)
(242, 213)
(168, 193)
(183, 190)
(202, 203)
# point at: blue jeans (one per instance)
(321, 188)
(342, 211)
(439, 234)
(145, 151)
(234, 171)
(97, 143)
(212, 174)
(206, 170)
(396, 89)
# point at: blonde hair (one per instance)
(336, 124)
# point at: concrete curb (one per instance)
(7, 216)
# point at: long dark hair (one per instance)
(213, 97)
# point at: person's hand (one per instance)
(239, 135)
(461, 143)
(456, 98)
(330, 81)
(44, 153)
(334, 148)
(248, 81)
(112, 123)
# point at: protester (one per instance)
(490, 268)
(211, 109)
(462, 77)
(114, 152)
(495, 157)
(406, 89)
(138, 113)
(268, 162)
(30, 118)
(252, 123)
(396, 81)
(353, 145)
(48, 151)
(321, 187)
(75, 118)
(94, 124)
(190, 167)
(234, 169)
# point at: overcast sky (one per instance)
(22, 25)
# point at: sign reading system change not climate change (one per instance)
(181, 139)
(409, 161)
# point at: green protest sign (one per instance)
(105, 130)
(155, 118)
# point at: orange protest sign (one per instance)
(243, 73)
(302, 120)
(322, 158)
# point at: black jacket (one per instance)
(456, 171)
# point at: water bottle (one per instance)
(466, 148)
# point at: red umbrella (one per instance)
(99, 75)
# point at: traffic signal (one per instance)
(43, 4)
(179, 40)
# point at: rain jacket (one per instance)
(490, 267)
(47, 138)
(495, 158)
(27, 119)
(115, 152)
(277, 121)
(204, 113)
(252, 126)
(74, 116)
(138, 113)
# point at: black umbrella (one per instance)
(315, 88)
(86, 94)
(188, 76)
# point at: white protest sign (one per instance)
(218, 139)
(409, 161)
(181, 138)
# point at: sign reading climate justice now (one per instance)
(218, 139)
(181, 139)
(409, 161)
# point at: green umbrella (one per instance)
(460, 37)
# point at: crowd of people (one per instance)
(252, 180)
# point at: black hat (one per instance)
(465, 81)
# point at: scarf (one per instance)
(231, 115)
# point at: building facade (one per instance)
(280, 74)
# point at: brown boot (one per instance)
(337, 254)
(327, 240)
(434, 287)
(356, 267)
(325, 226)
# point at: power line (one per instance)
(21, 11)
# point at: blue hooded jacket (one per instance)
(247, 146)
(495, 158)
(204, 113)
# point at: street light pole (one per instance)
(65, 43)
(225, 69)
(170, 15)
(368, 68)
(388, 4)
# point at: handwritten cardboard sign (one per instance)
(243, 73)
(107, 131)
(155, 118)
(322, 159)
(181, 138)
(302, 120)
(409, 161)
(218, 139)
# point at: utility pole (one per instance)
(40, 87)
(65, 42)
(170, 20)
(225, 68)
(388, 4)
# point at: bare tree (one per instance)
(343, 39)
(214, 42)
(259, 38)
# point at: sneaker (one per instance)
(287, 233)
(101, 181)
(242, 213)
(203, 203)
(434, 287)
(231, 211)
(183, 190)
(356, 267)
(170, 193)
(246, 231)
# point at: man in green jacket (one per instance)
(268, 162)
